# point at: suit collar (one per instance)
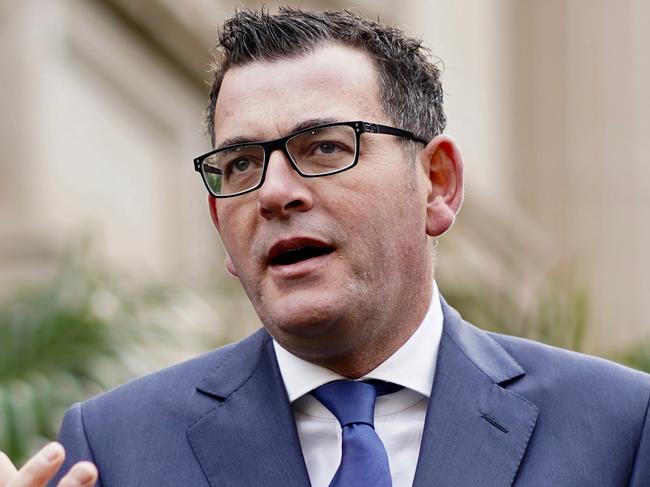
(479, 348)
(236, 365)
(250, 436)
(476, 431)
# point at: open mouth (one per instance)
(293, 256)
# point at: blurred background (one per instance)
(110, 266)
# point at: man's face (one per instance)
(361, 267)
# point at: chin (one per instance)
(315, 342)
(305, 327)
(306, 322)
(308, 306)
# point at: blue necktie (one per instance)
(363, 457)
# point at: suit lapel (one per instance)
(249, 437)
(476, 431)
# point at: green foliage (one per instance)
(62, 341)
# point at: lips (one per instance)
(298, 249)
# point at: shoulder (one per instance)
(567, 387)
(173, 387)
(558, 379)
(539, 358)
(555, 374)
(123, 429)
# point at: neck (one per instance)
(356, 362)
(364, 361)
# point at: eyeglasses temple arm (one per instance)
(384, 129)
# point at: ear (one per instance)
(212, 204)
(443, 165)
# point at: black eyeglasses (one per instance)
(313, 152)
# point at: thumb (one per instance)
(7, 470)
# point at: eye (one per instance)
(328, 147)
(241, 165)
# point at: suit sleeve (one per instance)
(73, 438)
(641, 470)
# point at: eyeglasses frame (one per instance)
(271, 146)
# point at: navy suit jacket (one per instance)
(503, 411)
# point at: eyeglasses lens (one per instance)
(234, 170)
(324, 150)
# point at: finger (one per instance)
(83, 474)
(40, 468)
(7, 469)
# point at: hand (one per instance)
(42, 467)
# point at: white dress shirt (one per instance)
(399, 417)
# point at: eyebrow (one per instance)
(305, 124)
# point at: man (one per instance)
(329, 181)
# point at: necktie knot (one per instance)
(351, 402)
(363, 456)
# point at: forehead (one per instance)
(264, 100)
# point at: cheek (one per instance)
(387, 196)
(236, 234)
(384, 229)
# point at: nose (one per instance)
(284, 190)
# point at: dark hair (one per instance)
(409, 84)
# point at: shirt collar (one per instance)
(411, 366)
